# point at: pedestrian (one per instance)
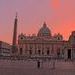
(38, 64)
(53, 64)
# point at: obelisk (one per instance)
(14, 44)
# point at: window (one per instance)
(39, 52)
(21, 51)
(21, 38)
(30, 52)
(58, 38)
(47, 52)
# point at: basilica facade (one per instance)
(46, 44)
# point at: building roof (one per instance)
(44, 31)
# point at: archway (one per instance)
(69, 53)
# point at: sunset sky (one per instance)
(58, 14)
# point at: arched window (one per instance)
(30, 52)
(47, 52)
(21, 38)
(21, 51)
(39, 52)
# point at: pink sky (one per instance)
(58, 14)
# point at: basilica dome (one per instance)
(44, 31)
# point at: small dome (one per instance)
(44, 31)
(58, 36)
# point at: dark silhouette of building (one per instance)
(14, 46)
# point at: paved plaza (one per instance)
(21, 67)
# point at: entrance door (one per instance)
(69, 53)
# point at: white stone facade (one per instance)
(44, 44)
(5, 49)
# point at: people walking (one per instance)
(38, 64)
